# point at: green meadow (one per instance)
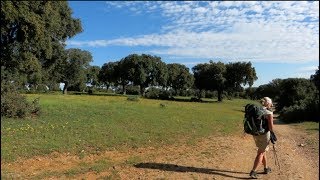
(92, 124)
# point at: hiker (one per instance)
(262, 141)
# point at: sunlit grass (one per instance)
(92, 124)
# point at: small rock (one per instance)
(302, 145)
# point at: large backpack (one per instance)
(254, 121)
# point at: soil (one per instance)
(210, 158)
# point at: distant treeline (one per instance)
(34, 59)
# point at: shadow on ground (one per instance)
(177, 168)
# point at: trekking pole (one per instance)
(276, 160)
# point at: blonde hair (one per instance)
(266, 101)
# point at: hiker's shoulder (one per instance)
(267, 111)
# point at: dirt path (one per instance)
(210, 158)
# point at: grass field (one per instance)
(84, 124)
(91, 124)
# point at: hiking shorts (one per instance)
(262, 141)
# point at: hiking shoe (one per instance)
(253, 175)
(267, 170)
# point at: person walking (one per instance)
(262, 141)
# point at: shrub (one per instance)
(35, 106)
(298, 100)
(190, 92)
(155, 93)
(200, 93)
(90, 91)
(292, 114)
(293, 91)
(165, 95)
(42, 88)
(307, 110)
(133, 90)
(54, 87)
(14, 105)
(210, 94)
(227, 95)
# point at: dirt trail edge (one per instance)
(210, 158)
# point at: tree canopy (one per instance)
(179, 77)
(32, 37)
(109, 74)
(74, 67)
(147, 70)
(220, 77)
(239, 73)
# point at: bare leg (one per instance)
(259, 158)
(264, 160)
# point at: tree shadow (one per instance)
(178, 168)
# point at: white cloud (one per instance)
(308, 69)
(258, 31)
(95, 43)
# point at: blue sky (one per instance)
(280, 38)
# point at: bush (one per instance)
(14, 105)
(152, 93)
(313, 110)
(298, 100)
(190, 92)
(133, 90)
(226, 95)
(211, 94)
(42, 88)
(293, 91)
(292, 114)
(54, 87)
(307, 110)
(199, 93)
(155, 93)
(90, 91)
(165, 95)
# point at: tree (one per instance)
(109, 73)
(294, 91)
(210, 77)
(73, 71)
(239, 73)
(92, 75)
(298, 100)
(30, 33)
(272, 90)
(143, 70)
(315, 78)
(179, 77)
(221, 77)
(157, 71)
(32, 42)
(126, 71)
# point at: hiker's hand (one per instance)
(273, 137)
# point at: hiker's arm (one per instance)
(270, 122)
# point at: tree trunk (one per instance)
(142, 90)
(124, 89)
(220, 95)
(65, 87)
(108, 87)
